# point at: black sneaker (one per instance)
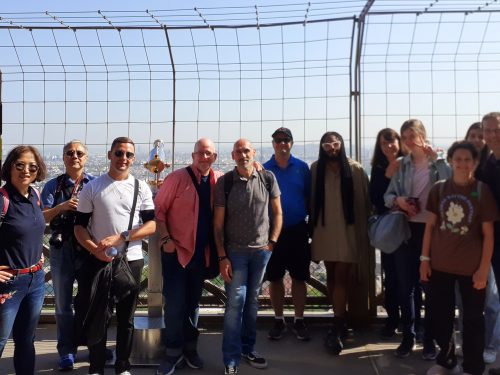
(429, 352)
(193, 360)
(300, 330)
(387, 332)
(333, 342)
(405, 348)
(279, 328)
(230, 370)
(169, 364)
(419, 335)
(254, 359)
(110, 357)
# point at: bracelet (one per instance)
(424, 258)
(272, 242)
(221, 258)
(165, 240)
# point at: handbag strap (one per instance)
(132, 211)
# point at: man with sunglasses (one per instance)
(340, 206)
(60, 199)
(292, 251)
(102, 222)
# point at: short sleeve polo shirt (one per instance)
(247, 220)
(295, 185)
(22, 230)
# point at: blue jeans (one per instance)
(495, 261)
(182, 288)
(240, 317)
(406, 259)
(63, 270)
(20, 315)
(492, 315)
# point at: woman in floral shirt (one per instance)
(457, 247)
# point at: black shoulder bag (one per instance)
(123, 282)
(212, 271)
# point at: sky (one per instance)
(96, 85)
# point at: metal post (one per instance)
(357, 78)
(147, 347)
(362, 304)
(174, 103)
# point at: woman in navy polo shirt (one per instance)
(21, 274)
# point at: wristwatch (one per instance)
(125, 235)
(424, 258)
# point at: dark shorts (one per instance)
(292, 253)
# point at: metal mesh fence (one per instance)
(242, 71)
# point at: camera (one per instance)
(62, 229)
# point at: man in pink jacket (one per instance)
(184, 220)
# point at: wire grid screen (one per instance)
(442, 68)
(95, 85)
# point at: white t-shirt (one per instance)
(110, 203)
(420, 189)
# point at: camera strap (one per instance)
(66, 191)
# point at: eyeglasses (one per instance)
(282, 140)
(79, 154)
(488, 131)
(331, 145)
(128, 154)
(206, 154)
(32, 168)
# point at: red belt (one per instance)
(21, 271)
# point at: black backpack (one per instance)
(264, 176)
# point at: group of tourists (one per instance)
(252, 223)
(451, 203)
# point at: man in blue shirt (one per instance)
(60, 199)
(292, 251)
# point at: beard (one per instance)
(335, 158)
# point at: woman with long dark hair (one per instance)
(384, 164)
(408, 191)
(340, 208)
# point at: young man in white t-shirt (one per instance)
(106, 203)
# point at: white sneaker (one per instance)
(440, 370)
(489, 356)
(125, 373)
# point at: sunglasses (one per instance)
(79, 154)
(120, 153)
(331, 145)
(282, 140)
(32, 168)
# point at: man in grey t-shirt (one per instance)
(245, 235)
